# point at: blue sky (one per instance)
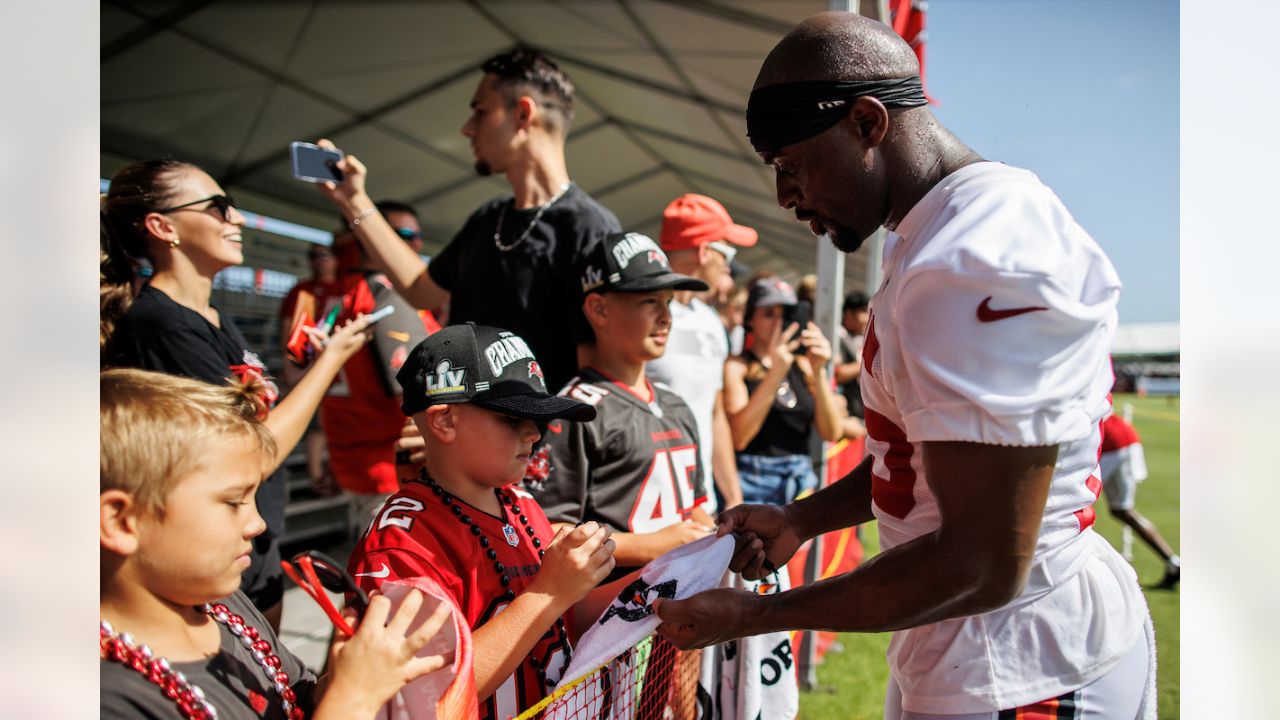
(1085, 94)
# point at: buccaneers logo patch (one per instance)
(635, 602)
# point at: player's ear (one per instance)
(439, 421)
(118, 521)
(869, 121)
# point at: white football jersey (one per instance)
(993, 325)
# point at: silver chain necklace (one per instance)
(502, 215)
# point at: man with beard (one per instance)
(985, 377)
(511, 264)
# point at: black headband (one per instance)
(786, 113)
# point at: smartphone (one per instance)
(801, 313)
(313, 163)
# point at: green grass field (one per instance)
(851, 683)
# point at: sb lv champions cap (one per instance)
(484, 366)
(631, 262)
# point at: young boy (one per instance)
(478, 397)
(180, 462)
(636, 466)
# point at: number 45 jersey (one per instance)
(635, 467)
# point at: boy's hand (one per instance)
(372, 665)
(576, 561)
(682, 533)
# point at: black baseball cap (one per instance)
(484, 366)
(630, 262)
(769, 291)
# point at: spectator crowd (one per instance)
(551, 403)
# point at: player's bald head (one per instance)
(838, 46)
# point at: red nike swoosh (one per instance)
(556, 428)
(986, 314)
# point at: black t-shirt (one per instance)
(232, 680)
(786, 428)
(161, 335)
(635, 467)
(531, 289)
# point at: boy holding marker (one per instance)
(478, 397)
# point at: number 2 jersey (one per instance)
(636, 467)
(415, 534)
(993, 325)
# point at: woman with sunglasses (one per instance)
(175, 217)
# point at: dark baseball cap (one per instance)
(484, 366)
(630, 262)
(769, 291)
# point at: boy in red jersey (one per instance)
(478, 396)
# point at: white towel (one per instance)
(681, 573)
(751, 677)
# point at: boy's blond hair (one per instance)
(156, 428)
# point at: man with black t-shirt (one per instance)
(511, 264)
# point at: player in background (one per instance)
(180, 462)
(478, 397)
(636, 466)
(1124, 465)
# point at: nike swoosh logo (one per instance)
(986, 314)
(397, 335)
(384, 572)
(556, 428)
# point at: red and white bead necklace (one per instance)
(191, 699)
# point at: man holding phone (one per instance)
(511, 264)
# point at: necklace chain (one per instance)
(502, 216)
(509, 507)
(191, 700)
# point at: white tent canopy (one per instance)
(662, 88)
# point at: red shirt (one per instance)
(415, 534)
(361, 419)
(1116, 434)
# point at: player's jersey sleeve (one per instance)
(1005, 340)
(563, 495)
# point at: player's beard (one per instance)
(483, 169)
(844, 239)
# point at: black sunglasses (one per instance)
(408, 235)
(224, 203)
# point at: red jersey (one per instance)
(1116, 434)
(415, 534)
(361, 410)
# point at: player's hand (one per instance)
(682, 533)
(782, 351)
(351, 188)
(710, 617)
(371, 666)
(576, 561)
(765, 540)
